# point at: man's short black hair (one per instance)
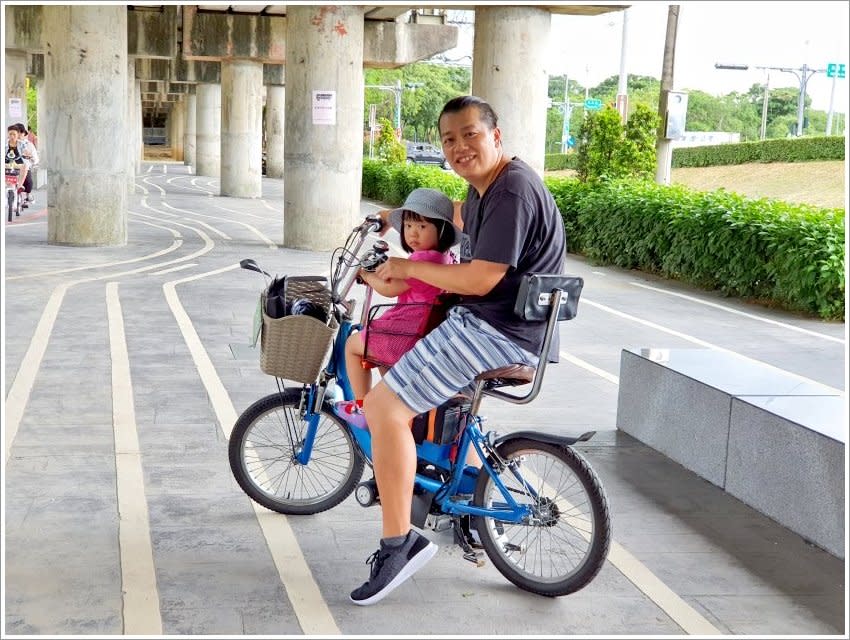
(485, 111)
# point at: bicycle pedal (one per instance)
(475, 557)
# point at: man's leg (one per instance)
(393, 456)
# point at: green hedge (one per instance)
(783, 150)
(777, 253)
(560, 161)
(391, 183)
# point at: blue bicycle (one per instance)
(539, 509)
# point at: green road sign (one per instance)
(594, 104)
(835, 70)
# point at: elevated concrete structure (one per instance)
(172, 48)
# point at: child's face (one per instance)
(420, 235)
(13, 136)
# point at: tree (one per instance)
(387, 147)
(608, 149)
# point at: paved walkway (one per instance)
(125, 369)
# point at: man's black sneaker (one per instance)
(390, 566)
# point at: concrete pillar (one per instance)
(15, 88)
(189, 145)
(208, 130)
(241, 128)
(509, 71)
(132, 98)
(275, 123)
(324, 125)
(177, 118)
(85, 124)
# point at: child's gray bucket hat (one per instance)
(428, 203)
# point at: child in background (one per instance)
(425, 225)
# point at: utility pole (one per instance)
(763, 133)
(565, 129)
(831, 104)
(622, 86)
(663, 146)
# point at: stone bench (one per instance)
(770, 438)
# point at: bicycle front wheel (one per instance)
(562, 547)
(263, 449)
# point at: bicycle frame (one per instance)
(444, 456)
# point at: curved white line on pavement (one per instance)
(269, 207)
(314, 615)
(698, 341)
(751, 316)
(19, 392)
(141, 614)
(251, 228)
(199, 187)
(208, 226)
(176, 244)
(184, 186)
(240, 213)
(146, 180)
(173, 232)
(21, 388)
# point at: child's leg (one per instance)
(360, 378)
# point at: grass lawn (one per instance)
(820, 183)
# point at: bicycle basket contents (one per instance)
(298, 327)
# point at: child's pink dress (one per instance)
(394, 332)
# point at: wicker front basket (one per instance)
(295, 347)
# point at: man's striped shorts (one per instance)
(448, 359)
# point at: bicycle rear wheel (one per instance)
(262, 451)
(566, 542)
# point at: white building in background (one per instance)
(702, 138)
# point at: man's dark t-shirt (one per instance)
(516, 223)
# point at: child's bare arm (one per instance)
(388, 288)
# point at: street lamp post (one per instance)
(805, 73)
(396, 90)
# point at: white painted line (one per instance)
(751, 316)
(21, 388)
(589, 367)
(174, 246)
(688, 618)
(639, 575)
(173, 232)
(141, 612)
(221, 234)
(263, 237)
(314, 615)
(264, 218)
(697, 341)
(177, 268)
(146, 181)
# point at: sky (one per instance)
(768, 34)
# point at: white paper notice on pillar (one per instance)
(324, 107)
(16, 109)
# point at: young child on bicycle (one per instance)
(424, 223)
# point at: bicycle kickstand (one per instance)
(462, 540)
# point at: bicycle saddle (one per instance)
(509, 375)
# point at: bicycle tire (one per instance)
(10, 204)
(262, 457)
(573, 519)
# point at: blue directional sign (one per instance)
(593, 104)
(835, 70)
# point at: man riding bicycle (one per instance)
(511, 227)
